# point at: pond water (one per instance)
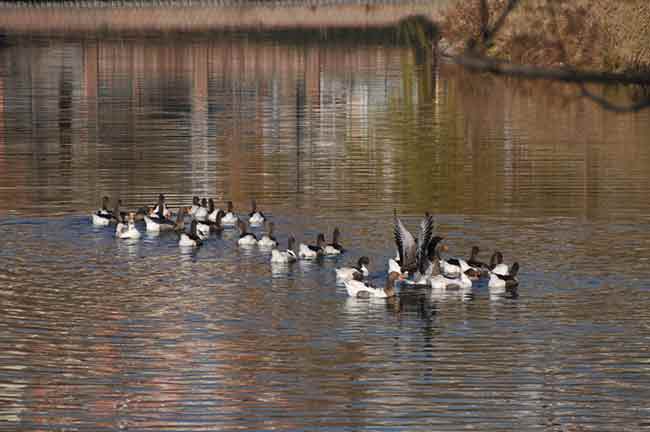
(102, 334)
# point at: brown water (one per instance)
(100, 334)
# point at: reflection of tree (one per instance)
(492, 17)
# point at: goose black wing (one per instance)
(406, 246)
(424, 238)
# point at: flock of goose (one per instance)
(418, 261)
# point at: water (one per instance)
(101, 334)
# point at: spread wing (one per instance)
(427, 226)
(406, 246)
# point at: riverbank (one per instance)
(206, 16)
(588, 34)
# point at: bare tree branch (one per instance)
(497, 67)
(635, 107)
(474, 59)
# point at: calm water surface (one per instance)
(101, 334)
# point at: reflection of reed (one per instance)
(302, 125)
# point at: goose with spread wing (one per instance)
(413, 254)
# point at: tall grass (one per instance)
(590, 34)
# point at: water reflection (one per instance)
(99, 333)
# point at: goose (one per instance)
(310, 252)
(335, 247)
(159, 223)
(245, 238)
(348, 273)
(268, 240)
(196, 203)
(103, 216)
(430, 265)
(201, 213)
(255, 217)
(357, 288)
(413, 254)
(287, 256)
(497, 265)
(191, 238)
(446, 281)
(204, 228)
(127, 230)
(230, 218)
(508, 281)
(161, 209)
(212, 212)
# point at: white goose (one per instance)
(334, 248)
(443, 281)
(157, 224)
(268, 240)
(213, 212)
(161, 209)
(191, 238)
(127, 230)
(287, 256)
(311, 252)
(196, 203)
(230, 218)
(103, 216)
(344, 274)
(357, 288)
(497, 265)
(508, 281)
(245, 238)
(255, 217)
(201, 213)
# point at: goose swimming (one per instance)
(413, 254)
(286, 256)
(335, 247)
(245, 238)
(192, 238)
(359, 289)
(310, 252)
(230, 218)
(255, 217)
(127, 230)
(348, 273)
(268, 240)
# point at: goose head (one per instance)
(195, 201)
(210, 206)
(363, 263)
(105, 203)
(320, 240)
(253, 206)
(229, 204)
(204, 203)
